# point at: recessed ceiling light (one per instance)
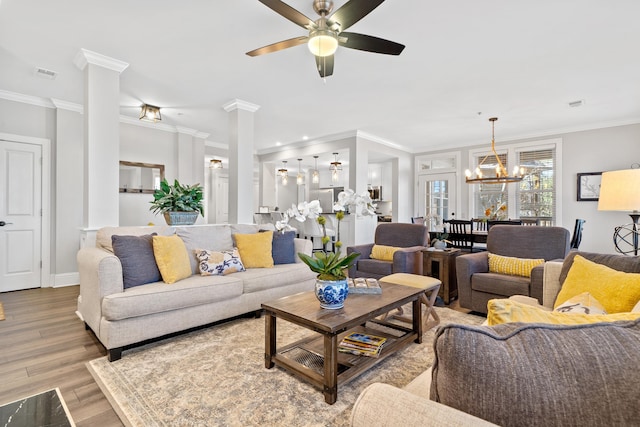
(278, 143)
(305, 137)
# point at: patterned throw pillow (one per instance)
(512, 266)
(583, 303)
(213, 263)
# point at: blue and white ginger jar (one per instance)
(332, 293)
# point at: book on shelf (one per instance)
(362, 344)
(361, 285)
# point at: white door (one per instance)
(20, 215)
(436, 198)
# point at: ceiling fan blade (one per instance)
(371, 44)
(288, 12)
(325, 65)
(353, 11)
(284, 44)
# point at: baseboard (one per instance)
(66, 279)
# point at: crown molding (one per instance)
(26, 99)
(66, 105)
(382, 141)
(84, 57)
(216, 145)
(147, 124)
(238, 104)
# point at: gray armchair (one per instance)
(476, 285)
(411, 238)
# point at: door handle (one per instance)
(2, 223)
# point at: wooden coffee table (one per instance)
(316, 358)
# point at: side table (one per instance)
(442, 265)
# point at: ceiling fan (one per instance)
(327, 32)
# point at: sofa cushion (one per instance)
(212, 263)
(628, 264)
(500, 284)
(172, 258)
(159, 298)
(548, 375)
(214, 237)
(260, 279)
(375, 267)
(510, 311)
(103, 235)
(137, 259)
(512, 265)
(255, 249)
(283, 248)
(617, 291)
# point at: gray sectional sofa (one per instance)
(122, 317)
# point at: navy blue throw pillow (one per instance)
(136, 256)
(283, 249)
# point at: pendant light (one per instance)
(501, 175)
(300, 177)
(315, 175)
(335, 167)
(283, 173)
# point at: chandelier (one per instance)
(501, 175)
(335, 167)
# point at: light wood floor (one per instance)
(43, 345)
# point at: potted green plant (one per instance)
(180, 204)
(331, 283)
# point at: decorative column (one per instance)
(241, 136)
(101, 140)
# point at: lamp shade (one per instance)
(620, 191)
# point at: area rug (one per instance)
(216, 377)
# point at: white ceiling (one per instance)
(464, 61)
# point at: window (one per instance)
(533, 198)
(536, 193)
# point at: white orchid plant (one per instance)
(329, 265)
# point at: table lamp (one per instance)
(620, 191)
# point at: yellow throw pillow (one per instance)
(508, 311)
(172, 258)
(255, 249)
(512, 266)
(617, 291)
(383, 253)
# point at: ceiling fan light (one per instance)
(323, 43)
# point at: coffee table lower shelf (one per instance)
(305, 358)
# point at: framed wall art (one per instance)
(589, 186)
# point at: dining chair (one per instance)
(530, 221)
(479, 224)
(460, 233)
(577, 234)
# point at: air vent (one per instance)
(578, 103)
(45, 74)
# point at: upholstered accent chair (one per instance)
(408, 240)
(477, 285)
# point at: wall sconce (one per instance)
(283, 173)
(315, 175)
(150, 113)
(335, 167)
(300, 177)
(215, 164)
